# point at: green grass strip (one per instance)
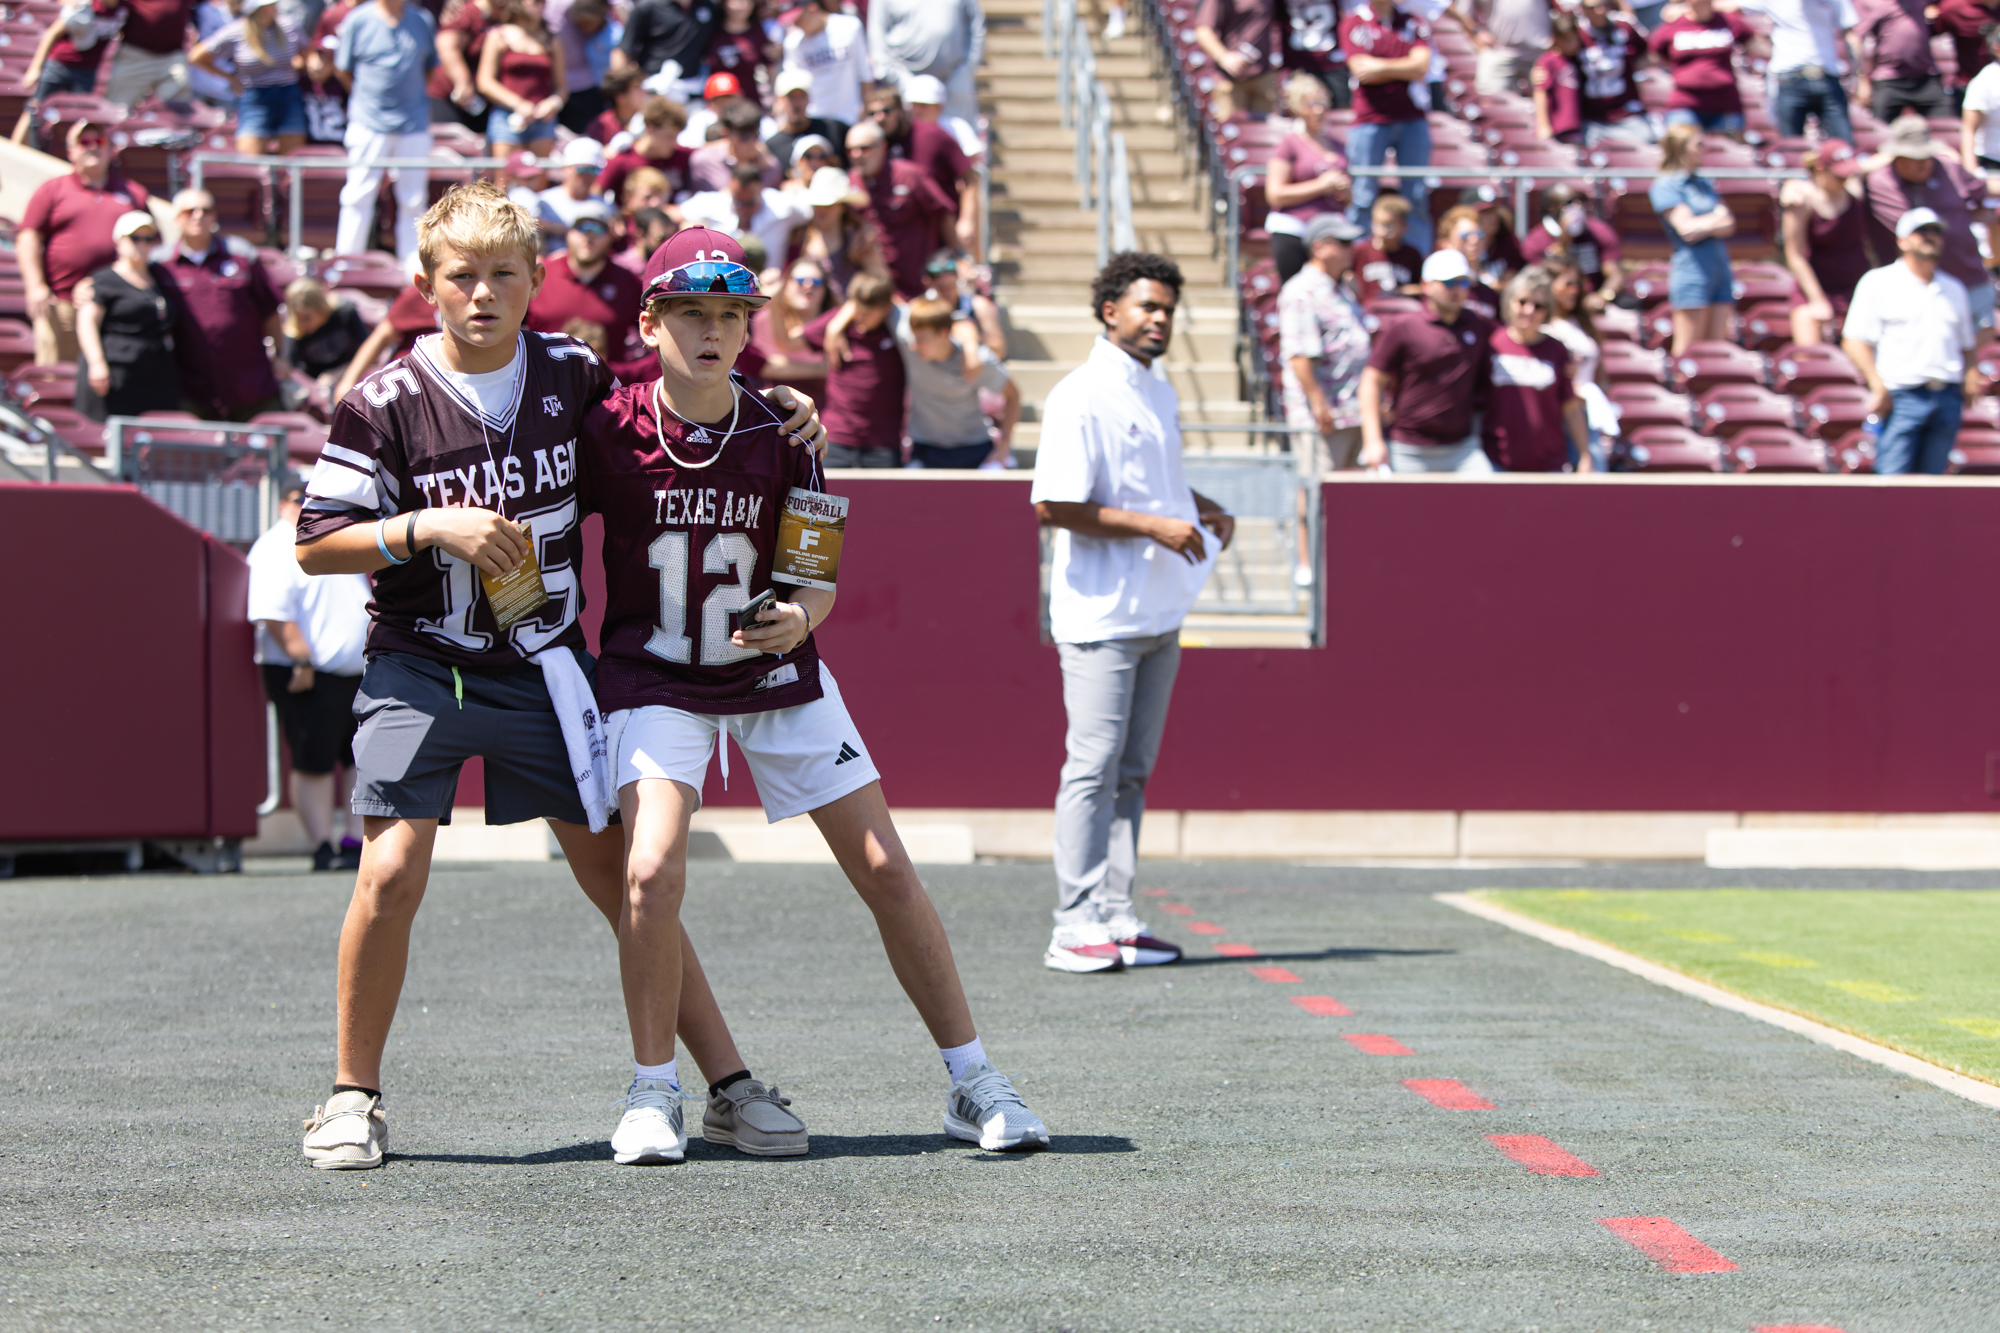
(1918, 971)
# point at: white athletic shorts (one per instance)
(802, 757)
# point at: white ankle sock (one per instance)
(959, 1058)
(666, 1072)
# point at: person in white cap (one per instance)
(924, 95)
(582, 165)
(791, 121)
(1908, 330)
(1431, 367)
(945, 39)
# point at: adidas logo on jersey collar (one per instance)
(699, 436)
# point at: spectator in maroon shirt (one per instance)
(1534, 420)
(1919, 173)
(1241, 37)
(863, 409)
(330, 20)
(152, 53)
(710, 166)
(1903, 74)
(583, 283)
(623, 98)
(1966, 22)
(1593, 245)
(739, 46)
(911, 214)
(1305, 177)
(1700, 48)
(1388, 52)
(655, 147)
(227, 308)
(1385, 264)
(65, 236)
(931, 147)
(1432, 370)
(1556, 84)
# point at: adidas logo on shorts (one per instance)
(847, 752)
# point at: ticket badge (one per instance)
(809, 535)
(518, 594)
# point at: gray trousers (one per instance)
(1115, 694)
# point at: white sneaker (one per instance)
(1082, 948)
(1114, 25)
(650, 1131)
(983, 1108)
(348, 1133)
(1302, 576)
(1138, 949)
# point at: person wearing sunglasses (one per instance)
(1430, 369)
(1461, 229)
(1534, 420)
(583, 283)
(691, 475)
(65, 236)
(125, 325)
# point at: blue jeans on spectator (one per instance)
(1369, 146)
(1648, 16)
(1710, 122)
(1799, 97)
(1920, 431)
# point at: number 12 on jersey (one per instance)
(726, 553)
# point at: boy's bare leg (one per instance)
(863, 838)
(656, 814)
(375, 940)
(598, 862)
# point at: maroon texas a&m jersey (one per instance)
(407, 437)
(684, 546)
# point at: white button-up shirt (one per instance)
(1111, 436)
(1806, 32)
(1920, 330)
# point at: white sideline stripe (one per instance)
(1986, 1094)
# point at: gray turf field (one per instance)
(1222, 1158)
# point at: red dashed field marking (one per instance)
(1206, 928)
(1449, 1094)
(1541, 1156)
(1374, 1043)
(1321, 1006)
(1237, 950)
(1667, 1245)
(1177, 909)
(1283, 976)
(1154, 893)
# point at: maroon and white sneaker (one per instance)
(1138, 949)
(1083, 948)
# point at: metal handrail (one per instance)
(1103, 174)
(295, 168)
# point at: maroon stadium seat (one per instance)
(1854, 452)
(76, 430)
(1774, 449)
(44, 384)
(1766, 326)
(1642, 405)
(305, 435)
(1648, 282)
(1759, 282)
(1628, 363)
(1977, 453)
(1799, 370)
(17, 345)
(375, 272)
(1703, 365)
(1666, 449)
(1832, 410)
(1728, 410)
(1981, 414)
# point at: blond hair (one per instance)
(476, 219)
(1299, 87)
(928, 316)
(1677, 151)
(1390, 207)
(302, 294)
(641, 181)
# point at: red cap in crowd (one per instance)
(721, 84)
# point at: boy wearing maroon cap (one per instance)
(449, 472)
(692, 475)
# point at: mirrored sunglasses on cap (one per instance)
(706, 278)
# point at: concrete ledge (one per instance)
(1851, 848)
(745, 836)
(1587, 835)
(1291, 835)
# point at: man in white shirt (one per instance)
(1131, 554)
(750, 208)
(1908, 330)
(832, 47)
(311, 633)
(558, 207)
(1810, 50)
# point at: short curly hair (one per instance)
(1126, 268)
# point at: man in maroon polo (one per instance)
(932, 148)
(1433, 366)
(911, 214)
(583, 283)
(65, 236)
(228, 307)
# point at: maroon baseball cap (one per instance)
(699, 261)
(1839, 157)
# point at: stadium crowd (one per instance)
(843, 150)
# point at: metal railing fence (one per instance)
(216, 475)
(1103, 173)
(294, 169)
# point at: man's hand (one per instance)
(1322, 412)
(802, 426)
(1221, 524)
(1975, 382)
(100, 379)
(781, 627)
(1374, 453)
(477, 536)
(302, 678)
(1878, 402)
(1234, 63)
(39, 297)
(835, 341)
(1482, 39)
(1181, 537)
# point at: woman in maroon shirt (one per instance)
(1534, 420)
(1823, 226)
(1557, 84)
(521, 73)
(1305, 177)
(1700, 48)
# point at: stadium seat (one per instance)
(305, 435)
(278, 267)
(1628, 363)
(1981, 414)
(1852, 453)
(372, 308)
(1666, 449)
(1832, 410)
(1977, 453)
(1774, 449)
(1703, 365)
(1765, 326)
(1642, 405)
(1648, 282)
(374, 272)
(1729, 410)
(75, 429)
(1800, 370)
(1754, 283)
(17, 345)
(44, 384)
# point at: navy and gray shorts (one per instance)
(421, 720)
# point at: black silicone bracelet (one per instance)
(410, 537)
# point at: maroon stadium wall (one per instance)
(1777, 644)
(133, 707)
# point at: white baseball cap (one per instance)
(830, 186)
(1915, 218)
(927, 89)
(805, 141)
(583, 151)
(128, 223)
(793, 81)
(1444, 265)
